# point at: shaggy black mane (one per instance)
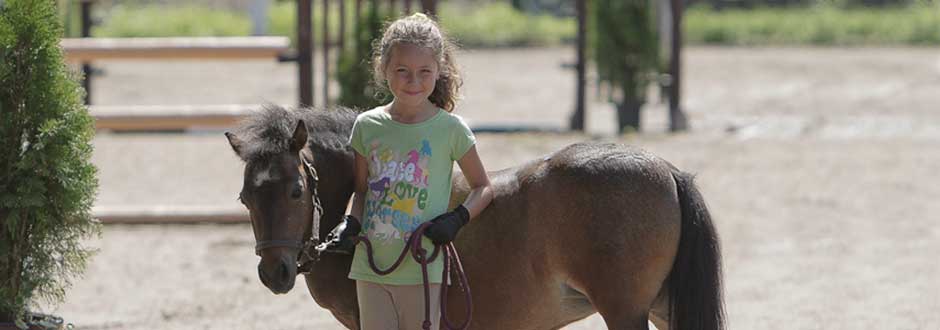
(268, 131)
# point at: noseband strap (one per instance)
(277, 243)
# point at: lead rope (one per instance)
(419, 254)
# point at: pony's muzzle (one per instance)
(278, 276)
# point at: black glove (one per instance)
(339, 240)
(445, 226)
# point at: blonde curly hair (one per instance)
(420, 30)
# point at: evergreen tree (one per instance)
(47, 183)
(354, 70)
(626, 50)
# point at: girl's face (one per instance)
(411, 73)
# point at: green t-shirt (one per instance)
(410, 168)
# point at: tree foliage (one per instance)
(354, 70)
(47, 183)
(625, 48)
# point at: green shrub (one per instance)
(47, 183)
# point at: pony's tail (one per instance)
(695, 293)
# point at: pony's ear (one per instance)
(236, 143)
(300, 137)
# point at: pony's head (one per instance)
(279, 190)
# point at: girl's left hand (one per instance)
(445, 226)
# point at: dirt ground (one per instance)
(819, 167)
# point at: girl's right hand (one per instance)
(339, 240)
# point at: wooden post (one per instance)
(341, 41)
(677, 120)
(258, 10)
(305, 52)
(87, 69)
(577, 118)
(429, 7)
(326, 52)
(358, 11)
(407, 7)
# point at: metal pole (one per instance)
(305, 52)
(577, 119)
(677, 120)
(87, 69)
(326, 52)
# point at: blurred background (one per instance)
(812, 126)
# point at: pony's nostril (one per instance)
(261, 275)
(282, 271)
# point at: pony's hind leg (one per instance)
(620, 319)
(659, 313)
(624, 306)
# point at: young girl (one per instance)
(405, 152)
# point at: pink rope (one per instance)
(420, 256)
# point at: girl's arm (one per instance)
(480, 191)
(361, 186)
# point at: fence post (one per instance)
(577, 118)
(259, 17)
(341, 40)
(304, 52)
(429, 7)
(87, 69)
(677, 120)
(326, 52)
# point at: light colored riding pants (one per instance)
(396, 307)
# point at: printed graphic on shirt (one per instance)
(398, 191)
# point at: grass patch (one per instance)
(164, 21)
(499, 24)
(818, 25)
(491, 25)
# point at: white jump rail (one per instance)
(169, 214)
(91, 49)
(168, 117)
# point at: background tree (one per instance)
(625, 48)
(47, 183)
(354, 70)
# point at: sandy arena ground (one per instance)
(819, 166)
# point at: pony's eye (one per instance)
(296, 192)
